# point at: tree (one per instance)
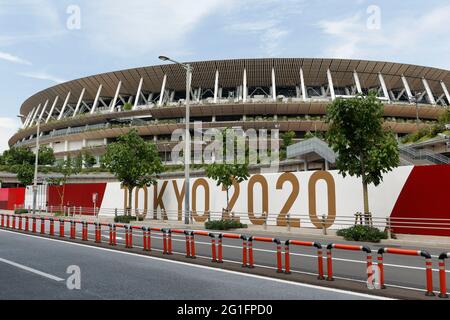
(89, 160)
(364, 148)
(288, 140)
(46, 156)
(24, 172)
(19, 155)
(134, 162)
(66, 169)
(225, 173)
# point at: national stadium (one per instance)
(288, 94)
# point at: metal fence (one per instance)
(264, 220)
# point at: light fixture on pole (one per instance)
(187, 149)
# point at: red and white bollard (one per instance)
(52, 227)
(443, 275)
(61, 228)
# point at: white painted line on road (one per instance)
(40, 273)
(304, 285)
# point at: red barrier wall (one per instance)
(426, 194)
(78, 195)
(11, 197)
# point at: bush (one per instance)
(21, 211)
(224, 225)
(126, 219)
(362, 233)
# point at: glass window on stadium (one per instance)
(287, 91)
(259, 92)
(230, 118)
(229, 93)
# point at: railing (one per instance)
(424, 155)
(264, 220)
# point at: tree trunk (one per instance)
(130, 199)
(367, 214)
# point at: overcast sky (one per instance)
(45, 42)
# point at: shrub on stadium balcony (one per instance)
(362, 233)
(224, 225)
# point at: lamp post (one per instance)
(36, 162)
(415, 99)
(187, 149)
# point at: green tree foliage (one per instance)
(134, 162)
(25, 173)
(22, 155)
(288, 140)
(226, 173)
(89, 160)
(46, 156)
(364, 148)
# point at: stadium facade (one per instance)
(85, 115)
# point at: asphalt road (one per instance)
(403, 272)
(35, 268)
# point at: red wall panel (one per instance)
(76, 195)
(11, 197)
(426, 194)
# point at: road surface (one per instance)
(35, 268)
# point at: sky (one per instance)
(46, 42)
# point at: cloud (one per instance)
(140, 27)
(8, 127)
(42, 76)
(418, 39)
(14, 59)
(272, 28)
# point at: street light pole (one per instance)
(187, 149)
(36, 161)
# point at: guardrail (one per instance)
(9, 222)
(417, 253)
(323, 222)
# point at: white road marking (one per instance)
(362, 295)
(40, 273)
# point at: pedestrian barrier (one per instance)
(347, 247)
(144, 238)
(267, 240)
(418, 253)
(73, 227)
(121, 226)
(204, 234)
(34, 225)
(443, 275)
(42, 225)
(166, 239)
(287, 267)
(232, 236)
(52, 227)
(187, 236)
(112, 235)
(27, 224)
(147, 239)
(61, 228)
